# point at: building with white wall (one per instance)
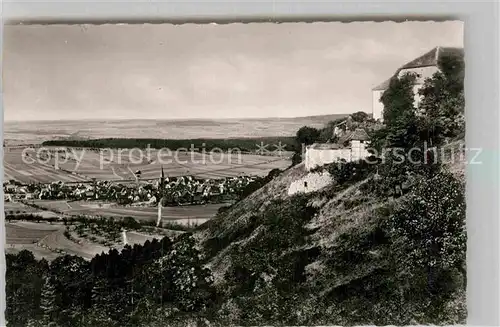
(424, 67)
(353, 146)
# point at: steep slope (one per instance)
(338, 219)
(337, 212)
(325, 257)
(236, 225)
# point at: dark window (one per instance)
(305, 184)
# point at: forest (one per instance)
(229, 144)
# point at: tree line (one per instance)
(161, 280)
(236, 144)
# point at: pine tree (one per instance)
(48, 301)
(99, 294)
(398, 102)
(35, 323)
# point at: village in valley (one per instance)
(187, 200)
(178, 190)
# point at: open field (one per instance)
(26, 233)
(156, 232)
(101, 237)
(48, 240)
(26, 172)
(120, 165)
(193, 214)
(57, 241)
(38, 251)
(18, 207)
(25, 236)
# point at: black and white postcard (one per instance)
(235, 175)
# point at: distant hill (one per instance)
(39, 131)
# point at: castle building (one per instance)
(424, 67)
(350, 147)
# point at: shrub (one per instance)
(360, 116)
(131, 223)
(67, 234)
(296, 159)
(222, 210)
(258, 183)
(431, 221)
(351, 172)
(352, 203)
(175, 226)
(307, 135)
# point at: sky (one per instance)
(165, 71)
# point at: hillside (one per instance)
(326, 257)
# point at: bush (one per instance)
(431, 221)
(131, 223)
(352, 203)
(258, 183)
(307, 135)
(222, 210)
(67, 234)
(296, 159)
(360, 116)
(173, 226)
(351, 172)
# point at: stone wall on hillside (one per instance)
(310, 183)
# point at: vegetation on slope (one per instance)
(294, 262)
(384, 244)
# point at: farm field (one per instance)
(28, 233)
(38, 131)
(18, 207)
(58, 241)
(45, 240)
(25, 236)
(79, 165)
(184, 214)
(38, 251)
(155, 232)
(99, 239)
(37, 172)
